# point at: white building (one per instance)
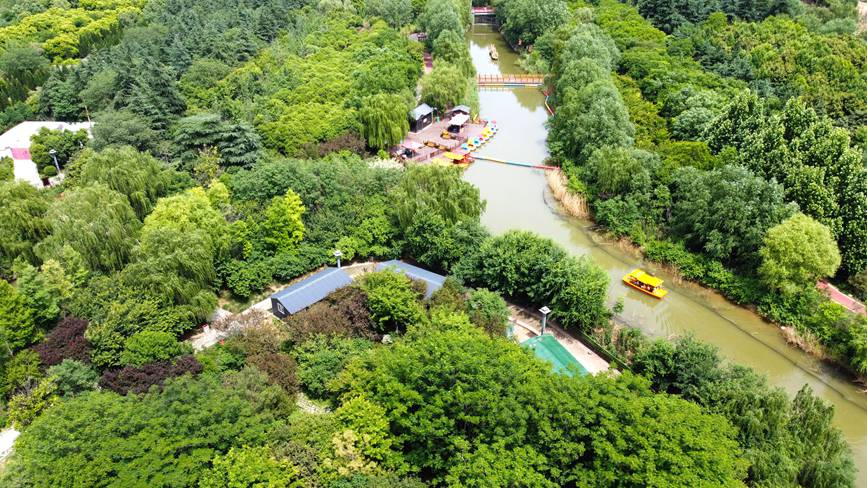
(15, 143)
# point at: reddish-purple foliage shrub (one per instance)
(254, 333)
(343, 313)
(139, 379)
(348, 141)
(65, 341)
(280, 368)
(351, 302)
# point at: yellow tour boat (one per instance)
(646, 283)
(459, 159)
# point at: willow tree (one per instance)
(444, 87)
(384, 120)
(22, 222)
(437, 190)
(95, 221)
(176, 267)
(139, 176)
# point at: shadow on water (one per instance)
(518, 199)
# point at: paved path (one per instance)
(841, 298)
(15, 143)
(7, 440)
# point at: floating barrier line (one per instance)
(547, 96)
(515, 163)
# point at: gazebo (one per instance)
(420, 117)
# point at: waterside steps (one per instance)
(510, 80)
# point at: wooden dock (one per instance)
(510, 80)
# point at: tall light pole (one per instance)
(545, 311)
(53, 154)
(338, 254)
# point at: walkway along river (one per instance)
(518, 198)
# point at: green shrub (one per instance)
(320, 359)
(674, 254)
(246, 278)
(392, 299)
(218, 359)
(488, 310)
(149, 346)
(7, 169)
(21, 371)
(25, 407)
(451, 296)
(288, 265)
(73, 377)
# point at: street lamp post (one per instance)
(545, 311)
(338, 254)
(53, 154)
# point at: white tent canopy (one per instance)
(459, 119)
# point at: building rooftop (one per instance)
(312, 289)
(433, 281)
(421, 111)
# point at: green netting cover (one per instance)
(548, 348)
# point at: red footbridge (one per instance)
(484, 11)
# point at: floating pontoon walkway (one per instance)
(510, 80)
(515, 163)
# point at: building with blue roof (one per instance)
(308, 291)
(432, 281)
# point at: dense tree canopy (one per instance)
(95, 221)
(147, 439)
(138, 176)
(22, 222)
(726, 212)
(384, 120)
(771, 429)
(454, 392)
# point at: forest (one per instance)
(752, 115)
(236, 145)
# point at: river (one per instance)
(518, 198)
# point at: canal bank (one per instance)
(518, 198)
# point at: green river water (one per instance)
(517, 198)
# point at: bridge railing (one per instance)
(520, 79)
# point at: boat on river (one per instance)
(645, 283)
(492, 52)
